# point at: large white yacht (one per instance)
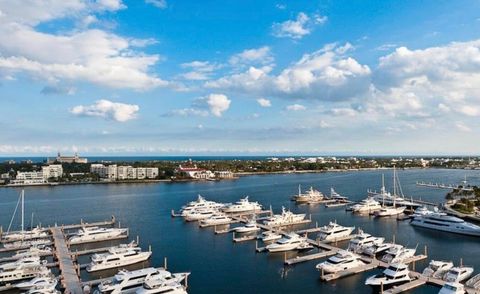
(452, 288)
(170, 284)
(93, 234)
(130, 281)
(25, 268)
(200, 204)
(243, 205)
(363, 240)
(394, 275)
(397, 253)
(200, 214)
(334, 231)
(38, 282)
(310, 196)
(367, 205)
(36, 232)
(443, 222)
(269, 236)
(376, 249)
(390, 210)
(27, 243)
(343, 260)
(250, 226)
(289, 242)
(286, 218)
(458, 274)
(122, 255)
(48, 289)
(219, 218)
(39, 250)
(389, 199)
(437, 269)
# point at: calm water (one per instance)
(217, 264)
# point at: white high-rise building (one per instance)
(141, 173)
(52, 171)
(151, 172)
(122, 172)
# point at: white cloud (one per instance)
(281, 6)
(188, 112)
(217, 103)
(162, 4)
(323, 75)
(91, 55)
(199, 70)
(264, 102)
(295, 107)
(462, 127)
(120, 112)
(298, 28)
(260, 55)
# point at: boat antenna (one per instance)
(394, 182)
(23, 209)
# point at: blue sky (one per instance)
(239, 77)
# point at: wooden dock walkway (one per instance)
(70, 280)
(407, 286)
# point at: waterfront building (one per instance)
(52, 171)
(122, 172)
(151, 172)
(67, 159)
(141, 173)
(29, 178)
(194, 173)
(224, 174)
(131, 173)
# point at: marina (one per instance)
(245, 244)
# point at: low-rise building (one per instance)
(123, 172)
(52, 171)
(151, 172)
(29, 178)
(224, 174)
(194, 173)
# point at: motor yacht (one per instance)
(367, 205)
(171, 284)
(334, 231)
(130, 281)
(286, 218)
(249, 227)
(43, 290)
(269, 236)
(397, 253)
(390, 211)
(39, 250)
(458, 274)
(289, 242)
(474, 282)
(343, 260)
(363, 240)
(27, 243)
(93, 234)
(452, 288)
(395, 274)
(376, 249)
(310, 196)
(26, 268)
(243, 205)
(442, 222)
(38, 282)
(335, 196)
(437, 269)
(118, 256)
(421, 211)
(199, 204)
(216, 219)
(200, 214)
(36, 232)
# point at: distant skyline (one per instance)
(166, 77)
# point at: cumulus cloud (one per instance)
(326, 74)
(91, 55)
(295, 107)
(199, 70)
(298, 28)
(260, 55)
(264, 102)
(162, 4)
(120, 112)
(217, 103)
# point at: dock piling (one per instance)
(165, 263)
(138, 240)
(425, 249)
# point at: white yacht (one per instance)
(251, 226)
(36, 232)
(200, 214)
(474, 282)
(269, 236)
(389, 199)
(452, 288)
(199, 204)
(23, 269)
(376, 249)
(335, 196)
(43, 290)
(343, 260)
(437, 269)
(39, 250)
(130, 281)
(27, 243)
(458, 274)
(367, 205)
(170, 284)
(394, 275)
(442, 222)
(363, 240)
(334, 231)
(390, 210)
(421, 211)
(93, 234)
(286, 218)
(243, 205)
(38, 282)
(397, 253)
(216, 219)
(310, 196)
(118, 256)
(289, 242)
